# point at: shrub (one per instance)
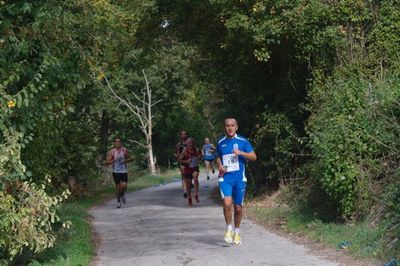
(352, 130)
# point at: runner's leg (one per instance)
(227, 204)
(195, 176)
(124, 185)
(118, 187)
(117, 182)
(207, 163)
(212, 166)
(238, 193)
(124, 182)
(226, 195)
(238, 215)
(184, 186)
(188, 182)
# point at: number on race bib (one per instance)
(231, 161)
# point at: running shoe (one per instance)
(118, 204)
(237, 240)
(196, 198)
(190, 202)
(123, 198)
(228, 237)
(185, 194)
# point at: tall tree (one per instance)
(143, 110)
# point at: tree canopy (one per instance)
(314, 85)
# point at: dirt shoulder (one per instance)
(341, 256)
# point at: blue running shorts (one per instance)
(234, 188)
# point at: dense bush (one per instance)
(280, 150)
(352, 131)
(28, 213)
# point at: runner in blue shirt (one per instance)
(233, 152)
(208, 156)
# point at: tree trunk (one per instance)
(143, 112)
(152, 164)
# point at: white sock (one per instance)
(237, 230)
(229, 227)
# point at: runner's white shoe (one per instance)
(228, 237)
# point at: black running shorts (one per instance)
(120, 177)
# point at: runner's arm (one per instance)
(176, 153)
(199, 154)
(128, 157)
(248, 155)
(213, 147)
(181, 155)
(221, 168)
(110, 159)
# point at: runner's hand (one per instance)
(237, 152)
(221, 169)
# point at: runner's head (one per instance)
(206, 140)
(189, 142)
(183, 135)
(231, 126)
(117, 142)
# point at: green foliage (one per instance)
(391, 199)
(48, 112)
(384, 37)
(27, 213)
(351, 131)
(260, 61)
(281, 146)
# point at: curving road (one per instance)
(156, 227)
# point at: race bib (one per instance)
(193, 162)
(231, 162)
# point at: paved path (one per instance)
(156, 227)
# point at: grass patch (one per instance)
(75, 246)
(360, 239)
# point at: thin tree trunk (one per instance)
(152, 165)
(144, 115)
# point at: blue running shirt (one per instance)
(235, 165)
(208, 153)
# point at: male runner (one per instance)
(207, 152)
(233, 151)
(118, 157)
(183, 135)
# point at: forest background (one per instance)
(315, 86)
